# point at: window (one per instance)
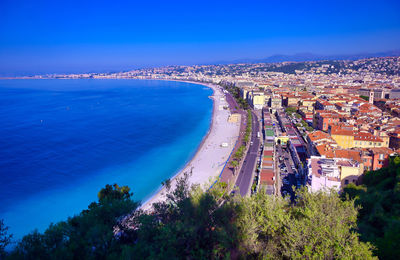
(346, 182)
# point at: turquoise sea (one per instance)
(61, 141)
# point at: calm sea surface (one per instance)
(61, 141)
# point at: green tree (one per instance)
(234, 164)
(5, 238)
(290, 110)
(89, 235)
(317, 226)
(379, 200)
(195, 224)
(114, 192)
(189, 224)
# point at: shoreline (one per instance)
(210, 156)
(201, 149)
(181, 170)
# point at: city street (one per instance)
(287, 172)
(246, 174)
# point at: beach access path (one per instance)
(211, 156)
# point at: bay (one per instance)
(61, 141)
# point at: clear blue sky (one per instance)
(83, 36)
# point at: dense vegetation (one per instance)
(379, 199)
(238, 155)
(89, 235)
(193, 224)
(248, 126)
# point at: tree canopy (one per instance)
(5, 238)
(317, 226)
(192, 223)
(89, 235)
(379, 202)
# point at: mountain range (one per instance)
(299, 57)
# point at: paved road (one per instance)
(245, 178)
(290, 176)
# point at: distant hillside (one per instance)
(315, 57)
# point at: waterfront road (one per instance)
(246, 174)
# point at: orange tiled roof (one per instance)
(381, 150)
(317, 135)
(340, 131)
(349, 154)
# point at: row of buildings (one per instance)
(267, 175)
(353, 132)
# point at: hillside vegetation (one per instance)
(379, 202)
(194, 224)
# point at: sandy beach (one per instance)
(210, 158)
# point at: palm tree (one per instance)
(234, 164)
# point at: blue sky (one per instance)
(89, 36)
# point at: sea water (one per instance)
(61, 141)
